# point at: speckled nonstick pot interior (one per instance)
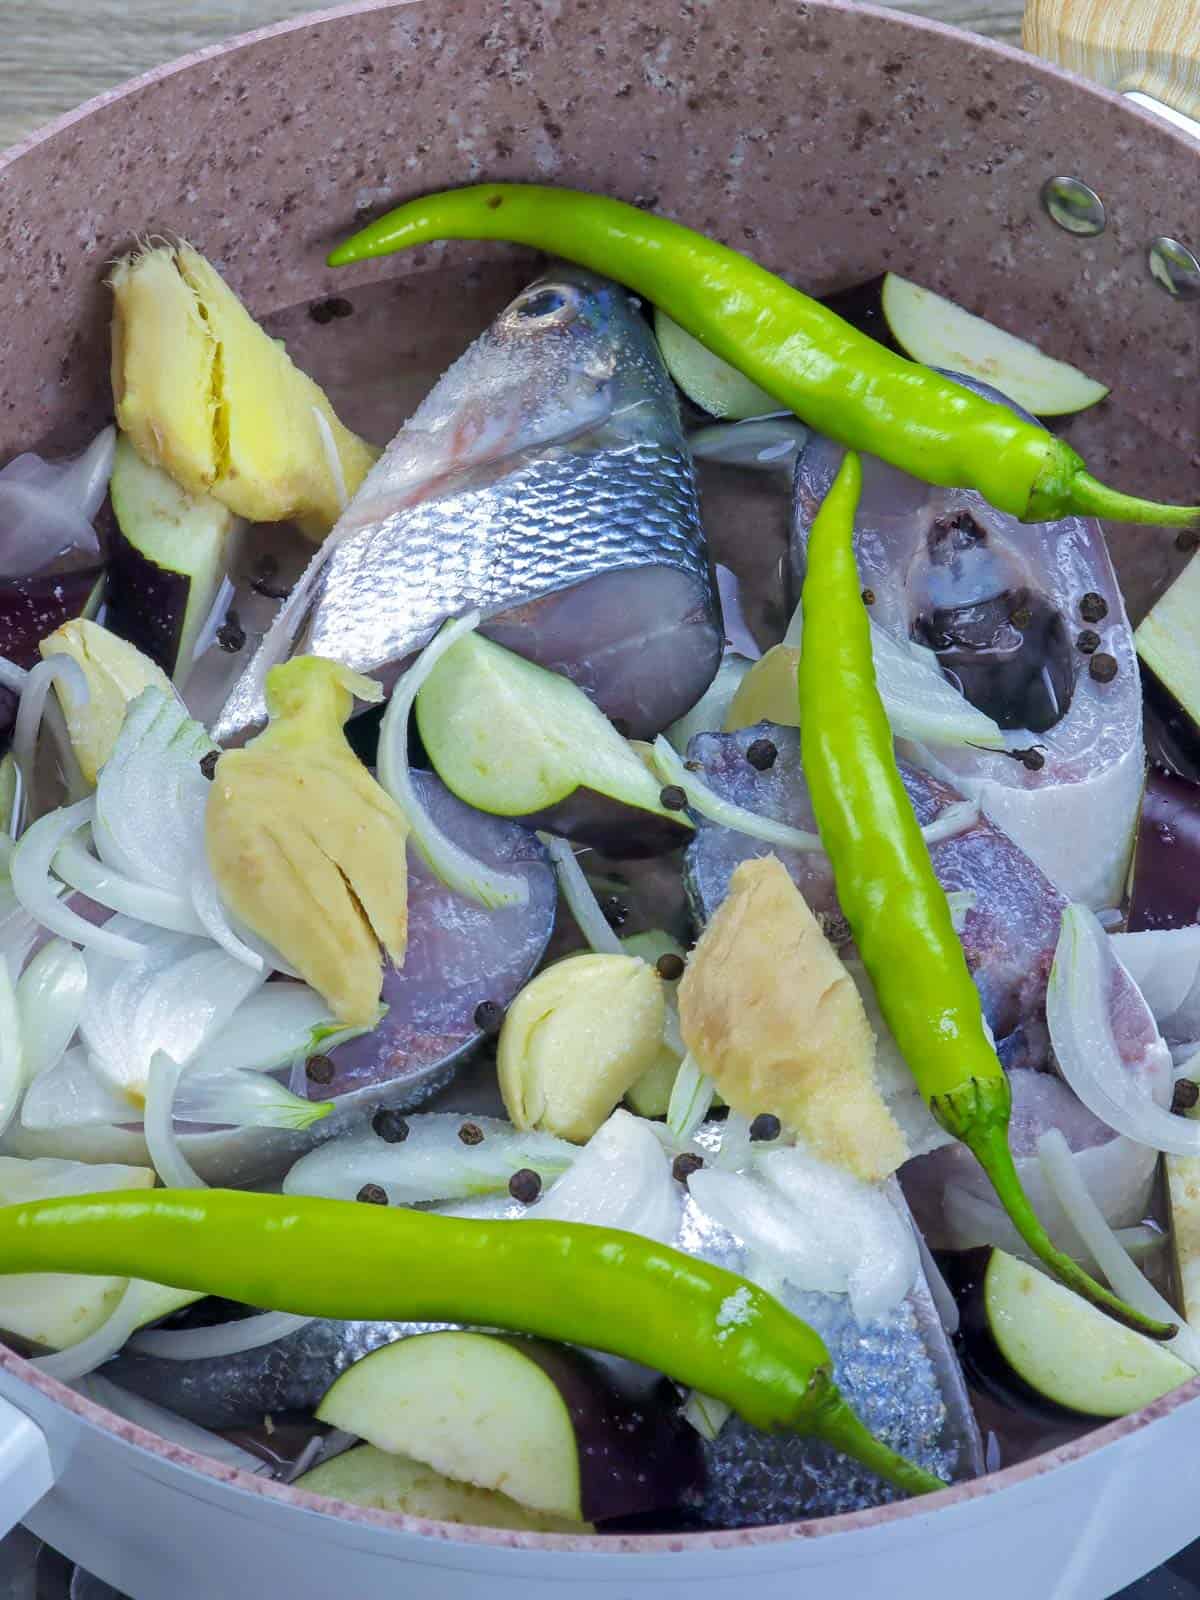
(830, 140)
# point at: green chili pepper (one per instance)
(799, 351)
(894, 904)
(700, 1324)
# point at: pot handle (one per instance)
(1151, 47)
(26, 1468)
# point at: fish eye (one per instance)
(547, 305)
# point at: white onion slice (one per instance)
(50, 996)
(12, 676)
(281, 1023)
(56, 669)
(1165, 965)
(735, 1143)
(12, 1054)
(940, 1293)
(151, 794)
(210, 913)
(167, 1159)
(432, 1163)
(620, 1179)
(244, 1100)
(225, 1339)
(581, 902)
(769, 442)
(955, 819)
(692, 1093)
(1077, 1012)
(1124, 1278)
(920, 702)
(707, 1415)
(34, 888)
(453, 866)
(702, 799)
(163, 908)
(71, 1094)
(332, 460)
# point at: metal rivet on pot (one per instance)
(1174, 268)
(1075, 207)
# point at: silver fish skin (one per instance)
(545, 482)
(921, 548)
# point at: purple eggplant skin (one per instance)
(1166, 856)
(600, 822)
(636, 1453)
(31, 608)
(1171, 734)
(861, 305)
(147, 603)
(983, 1363)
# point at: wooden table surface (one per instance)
(56, 53)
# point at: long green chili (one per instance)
(701, 1325)
(832, 376)
(896, 908)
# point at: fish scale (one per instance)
(546, 483)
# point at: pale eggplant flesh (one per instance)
(545, 482)
(1029, 623)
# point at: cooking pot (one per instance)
(832, 141)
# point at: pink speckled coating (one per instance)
(830, 140)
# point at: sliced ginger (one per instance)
(770, 1013)
(206, 394)
(307, 849)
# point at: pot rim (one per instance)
(99, 1417)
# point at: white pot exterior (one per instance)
(1079, 1524)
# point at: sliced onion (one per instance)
(167, 1159)
(702, 799)
(770, 442)
(140, 1303)
(280, 1024)
(1124, 1279)
(50, 997)
(451, 864)
(72, 679)
(34, 888)
(709, 713)
(692, 1093)
(12, 676)
(1165, 965)
(175, 1000)
(169, 1425)
(940, 1293)
(1078, 1015)
(620, 1179)
(210, 913)
(332, 460)
(581, 902)
(921, 703)
(735, 1142)
(49, 505)
(12, 1055)
(151, 794)
(707, 1415)
(243, 1100)
(211, 626)
(71, 1094)
(163, 908)
(433, 1163)
(955, 819)
(224, 1339)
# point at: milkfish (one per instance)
(545, 482)
(1027, 620)
(1009, 916)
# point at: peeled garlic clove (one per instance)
(576, 1039)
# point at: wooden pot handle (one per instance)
(1148, 45)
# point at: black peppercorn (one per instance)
(683, 1166)
(1184, 1097)
(372, 1195)
(471, 1133)
(1088, 641)
(525, 1186)
(391, 1127)
(319, 1069)
(489, 1017)
(766, 1126)
(208, 764)
(762, 755)
(672, 798)
(669, 966)
(868, 597)
(1093, 607)
(1103, 667)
